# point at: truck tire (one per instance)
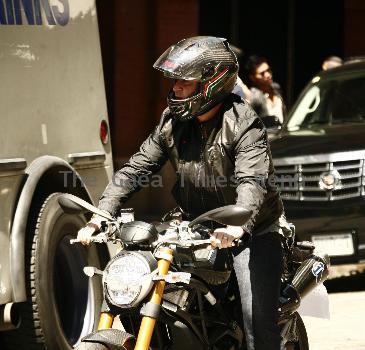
(63, 304)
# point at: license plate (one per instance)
(334, 245)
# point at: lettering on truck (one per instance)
(11, 12)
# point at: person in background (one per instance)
(265, 95)
(331, 62)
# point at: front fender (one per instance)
(114, 339)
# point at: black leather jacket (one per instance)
(219, 162)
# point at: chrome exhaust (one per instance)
(313, 271)
(310, 273)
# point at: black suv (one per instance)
(319, 158)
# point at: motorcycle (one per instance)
(163, 289)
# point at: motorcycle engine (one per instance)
(213, 266)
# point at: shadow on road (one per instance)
(354, 283)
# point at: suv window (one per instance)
(332, 101)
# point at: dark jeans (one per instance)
(258, 266)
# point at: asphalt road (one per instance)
(346, 328)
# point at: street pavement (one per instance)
(346, 328)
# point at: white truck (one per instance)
(54, 139)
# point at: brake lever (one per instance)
(235, 243)
(99, 238)
(198, 242)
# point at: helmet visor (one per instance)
(180, 64)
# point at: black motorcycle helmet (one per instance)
(207, 59)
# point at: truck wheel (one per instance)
(63, 304)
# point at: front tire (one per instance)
(63, 304)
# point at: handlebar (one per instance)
(196, 243)
(103, 237)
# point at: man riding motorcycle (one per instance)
(218, 147)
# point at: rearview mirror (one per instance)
(232, 215)
(71, 204)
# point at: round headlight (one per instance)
(127, 278)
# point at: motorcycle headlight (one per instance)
(127, 278)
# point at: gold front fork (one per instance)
(105, 321)
(148, 323)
